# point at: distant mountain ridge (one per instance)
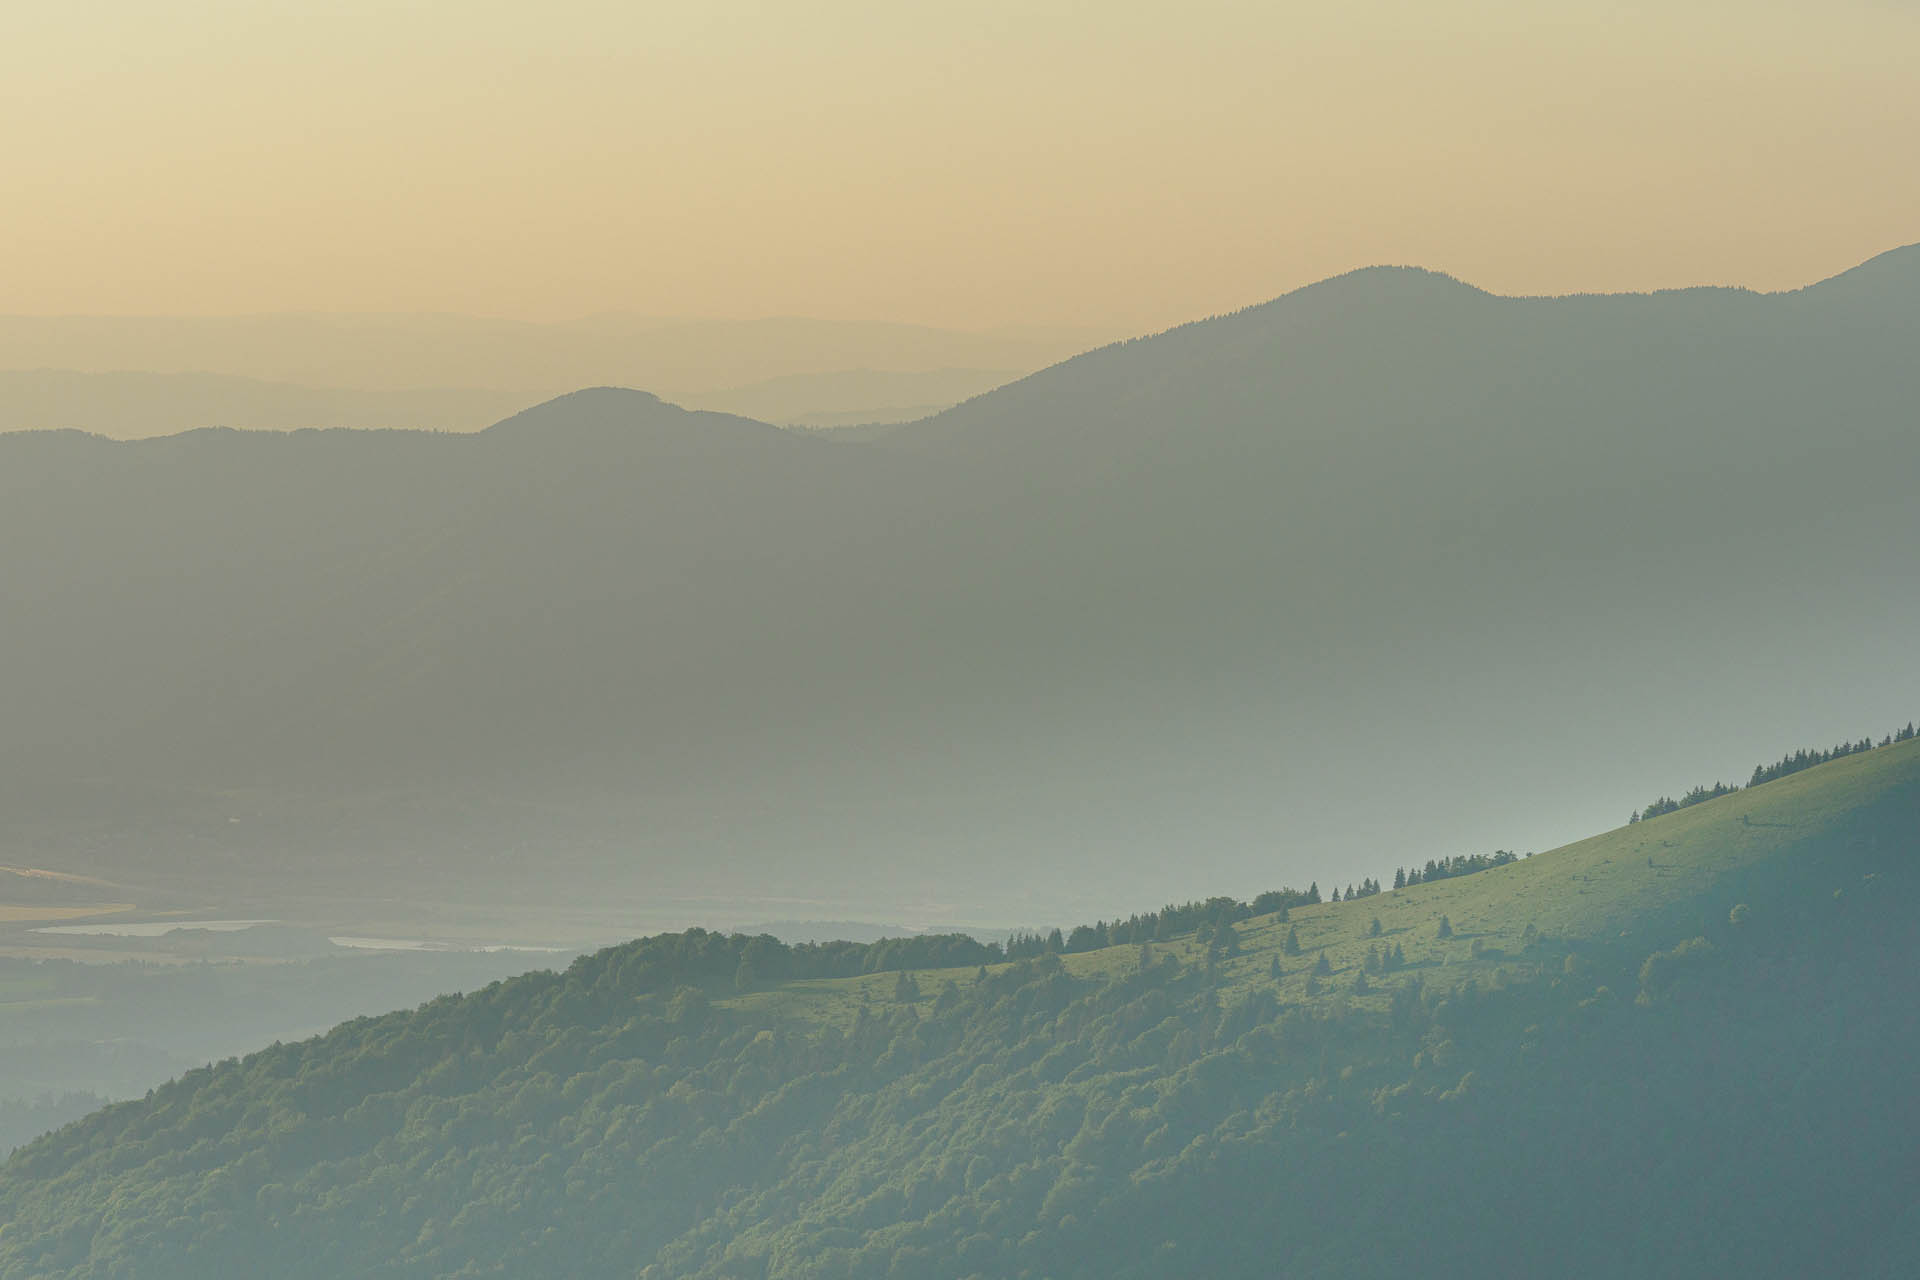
(993, 664)
(126, 405)
(131, 405)
(1894, 274)
(406, 352)
(619, 416)
(461, 372)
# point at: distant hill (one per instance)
(135, 405)
(1294, 593)
(131, 377)
(391, 353)
(1678, 1048)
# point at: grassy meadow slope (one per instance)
(1697, 1062)
(1612, 891)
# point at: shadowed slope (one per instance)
(1688, 1064)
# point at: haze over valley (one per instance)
(989, 641)
(1295, 592)
(135, 376)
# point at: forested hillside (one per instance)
(1679, 1048)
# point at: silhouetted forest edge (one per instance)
(1787, 765)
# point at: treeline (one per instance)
(1807, 759)
(1464, 864)
(1784, 767)
(1169, 921)
(701, 956)
(24, 1119)
(1667, 804)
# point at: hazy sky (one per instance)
(970, 164)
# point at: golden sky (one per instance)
(970, 164)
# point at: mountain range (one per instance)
(1291, 593)
(137, 376)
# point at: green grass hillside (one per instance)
(1680, 1048)
(1645, 880)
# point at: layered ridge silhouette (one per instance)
(1162, 596)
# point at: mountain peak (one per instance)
(588, 405)
(615, 414)
(1381, 284)
(1895, 273)
(1391, 275)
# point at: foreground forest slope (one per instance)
(1679, 1048)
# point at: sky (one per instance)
(1118, 164)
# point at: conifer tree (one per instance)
(1374, 930)
(1446, 928)
(1292, 944)
(1323, 967)
(1273, 968)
